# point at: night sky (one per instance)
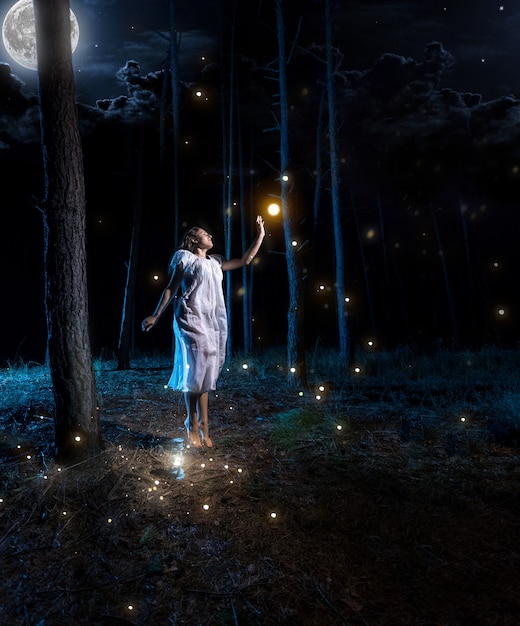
(430, 165)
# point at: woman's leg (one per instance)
(192, 420)
(203, 417)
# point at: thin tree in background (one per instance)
(126, 332)
(228, 151)
(447, 285)
(175, 74)
(76, 417)
(246, 283)
(295, 329)
(318, 178)
(339, 256)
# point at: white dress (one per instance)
(199, 323)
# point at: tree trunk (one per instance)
(76, 415)
(295, 329)
(343, 334)
(228, 153)
(175, 72)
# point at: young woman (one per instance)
(199, 322)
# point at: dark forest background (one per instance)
(429, 180)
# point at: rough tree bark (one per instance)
(77, 425)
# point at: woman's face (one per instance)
(205, 239)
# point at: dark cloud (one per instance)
(12, 99)
(403, 97)
(143, 92)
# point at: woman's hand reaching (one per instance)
(148, 323)
(260, 230)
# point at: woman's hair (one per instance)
(188, 242)
(190, 239)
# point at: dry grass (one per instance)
(396, 498)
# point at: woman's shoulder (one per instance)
(181, 256)
(218, 258)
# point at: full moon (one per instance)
(19, 34)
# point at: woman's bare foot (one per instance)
(206, 440)
(193, 436)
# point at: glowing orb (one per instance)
(19, 34)
(273, 209)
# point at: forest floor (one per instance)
(389, 496)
